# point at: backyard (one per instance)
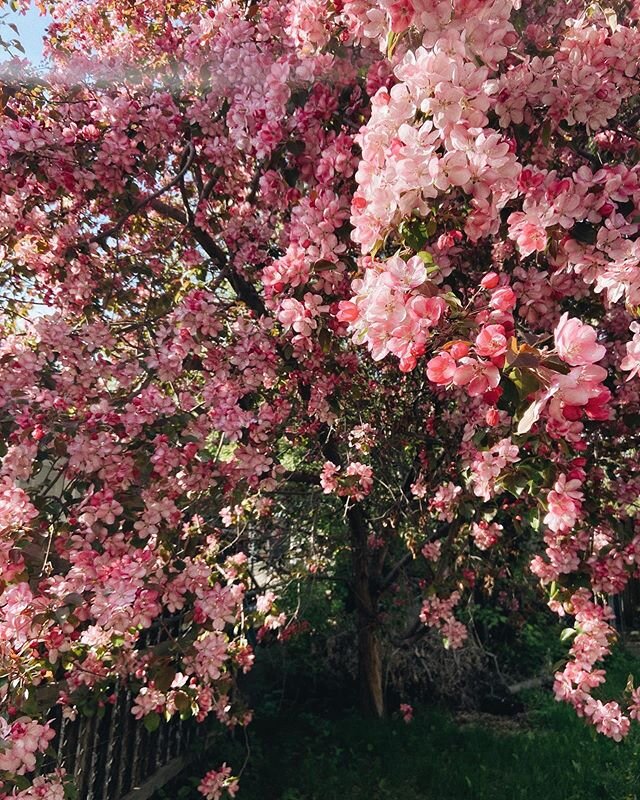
(310, 752)
(319, 399)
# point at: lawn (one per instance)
(546, 753)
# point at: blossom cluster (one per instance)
(210, 219)
(217, 783)
(437, 613)
(356, 480)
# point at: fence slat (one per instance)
(112, 756)
(161, 777)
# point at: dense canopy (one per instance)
(305, 288)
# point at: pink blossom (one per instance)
(438, 613)
(26, 739)
(634, 707)
(490, 280)
(16, 510)
(564, 503)
(431, 550)
(441, 368)
(631, 361)
(218, 782)
(491, 341)
(355, 481)
(486, 534)
(148, 700)
(503, 299)
(406, 712)
(607, 718)
(476, 376)
(576, 342)
(444, 501)
(529, 233)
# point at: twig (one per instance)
(187, 159)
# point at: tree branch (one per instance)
(186, 161)
(395, 571)
(243, 289)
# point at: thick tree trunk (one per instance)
(370, 672)
(370, 677)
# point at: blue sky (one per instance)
(31, 27)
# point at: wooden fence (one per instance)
(626, 607)
(111, 755)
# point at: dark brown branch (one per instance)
(302, 477)
(395, 571)
(208, 187)
(451, 529)
(243, 289)
(187, 160)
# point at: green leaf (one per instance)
(611, 18)
(525, 382)
(392, 41)
(415, 232)
(163, 677)
(556, 365)
(291, 176)
(509, 398)
(530, 416)
(182, 701)
(152, 722)
(30, 704)
(323, 264)
(70, 790)
(324, 338)
(452, 300)
(512, 484)
(480, 437)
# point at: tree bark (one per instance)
(370, 677)
(370, 672)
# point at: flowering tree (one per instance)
(382, 256)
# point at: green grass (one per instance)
(546, 754)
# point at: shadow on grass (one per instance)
(545, 754)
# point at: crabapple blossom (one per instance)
(485, 534)
(25, 738)
(438, 613)
(631, 362)
(355, 482)
(564, 502)
(406, 711)
(431, 550)
(441, 368)
(217, 783)
(576, 342)
(261, 262)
